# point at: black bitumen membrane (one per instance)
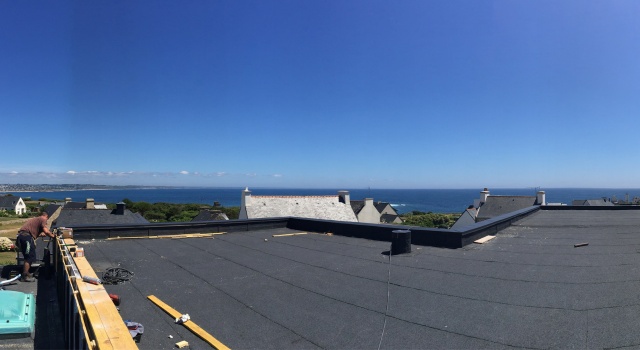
(527, 288)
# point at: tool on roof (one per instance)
(182, 319)
(115, 298)
(135, 329)
(92, 280)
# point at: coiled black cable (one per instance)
(116, 275)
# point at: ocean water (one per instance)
(426, 200)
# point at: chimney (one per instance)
(120, 208)
(67, 200)
(368, 201)
(246, 197)
(483, 195)
(90, 203)
(477, 203)
(541, 200)
(343, 197)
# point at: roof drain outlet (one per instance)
(400, 242)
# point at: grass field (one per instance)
(9, 228)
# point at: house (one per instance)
(467, 218)
(593, 202)
(89, 215)
(332, 207)
(375, 212)
(388, 214)
(88, 204)
(365, 211)
(13, 204)
(53, 211)
(210, 215)
(489, 206)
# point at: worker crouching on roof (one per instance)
(27, 235)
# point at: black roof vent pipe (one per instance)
(400, 242)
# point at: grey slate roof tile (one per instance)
(71, 217)
(9, 201)
(498, 205)
(210, 215)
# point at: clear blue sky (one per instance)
(349, 94)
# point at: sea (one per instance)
(404, 200)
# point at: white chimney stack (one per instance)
(483, 195)
(246, 197)
(541, 200)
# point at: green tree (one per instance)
(154, 216)
(429, 219)
(141, 207)
(232, 212)
(128, 202)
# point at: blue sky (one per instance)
(324, 94)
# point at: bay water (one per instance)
(404, 200)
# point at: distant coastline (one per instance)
(73, 187)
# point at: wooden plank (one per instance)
(289, 234)
(83, 323)
(484, 239)
(189, 324)
(104, 319)
(186, 235)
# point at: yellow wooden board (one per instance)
(484, 239)
(186, 235)
(289, 234)
(189, 324)
(104, 319)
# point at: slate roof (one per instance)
(51, 209)
(357, 206)
(9, 202)
(592, 202)
(467, 218)
(78, 205)
(527, 288)
(498, 205)
(72, 217)
(210, 215)
(388, 218)
(380, 206)
(317, 207)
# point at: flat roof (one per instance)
(529, 287)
